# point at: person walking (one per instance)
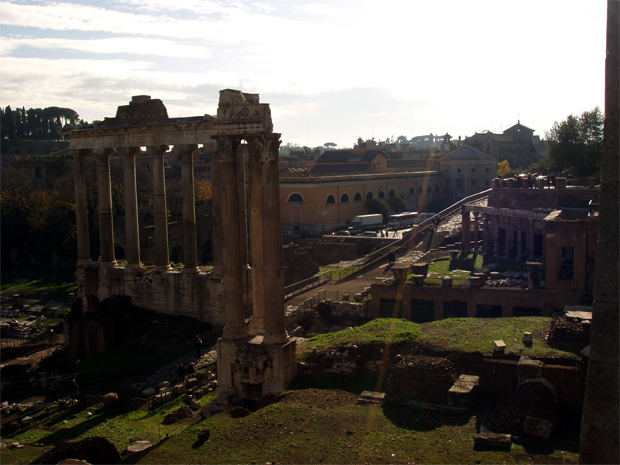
(198, 345)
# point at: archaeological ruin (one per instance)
(255, 360)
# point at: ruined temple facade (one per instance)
(254, 360)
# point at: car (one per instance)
(341, 233)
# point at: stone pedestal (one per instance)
(252, 369)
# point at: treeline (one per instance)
(36, 123)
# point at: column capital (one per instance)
(265, 146)
(104, 152)
(227, 147)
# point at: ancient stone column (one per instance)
(465, 230)
(275, 331)
(519, 244)
(530, 239)
(104, 194)
(81, 207)
(190, 255)
(160, 214)
(495, 232)
(256, 169)
(132, 232)
(231, 260)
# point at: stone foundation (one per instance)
(252, 369)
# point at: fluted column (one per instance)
(256, 164)
(190, 254)
(160, 213)
(231, 258)
(132, 231)
(104, 194)
(275, 331)
(81, 207)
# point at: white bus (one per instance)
(403, 220)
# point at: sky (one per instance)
(332, 71)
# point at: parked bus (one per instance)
(403, 220)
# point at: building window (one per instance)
(411, 191)
(473, 182)
(330, 199)
(566, 263)
(458, 171)
(381, 195)
(358, 197)
(473, 170)
(428, 189)
(487, 183)
(369, 195)
(437, 188)
(486, 170)
(344, 198)
(392, 193)
(295, 197)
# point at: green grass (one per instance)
(38, 287)
(450, 334)
(116, 425)
(381, 330)
(338, 272)
(478, 334)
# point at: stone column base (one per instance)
(253, 369)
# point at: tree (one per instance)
(576, 143)
(329, 145)
(503, 168)
(397, 204)
(378, 206)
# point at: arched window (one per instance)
(295, 197)
(381, 195)
(344, 198)
(392, 193)
(330, 199)
(369, 195)
(411, 191)
(358, 197)
(428, 189)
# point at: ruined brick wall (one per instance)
(421, 378)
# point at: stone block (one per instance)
(148, 392)
(492, 441)
(527, 338)
(537, 427)
(499, 347)
(371, 397)
(463, 390)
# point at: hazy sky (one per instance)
(332, 71)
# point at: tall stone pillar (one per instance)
(190, 254)
(160, 213)
(476, 230)
(81, 207)
(275, 331)
(530, 239)
(104, 194)
(600, 432)
(256, 169)
(519, 244)
(132, 231)
(465, 230)
(495, 231)
(231, 261)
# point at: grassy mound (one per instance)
(381, 330)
